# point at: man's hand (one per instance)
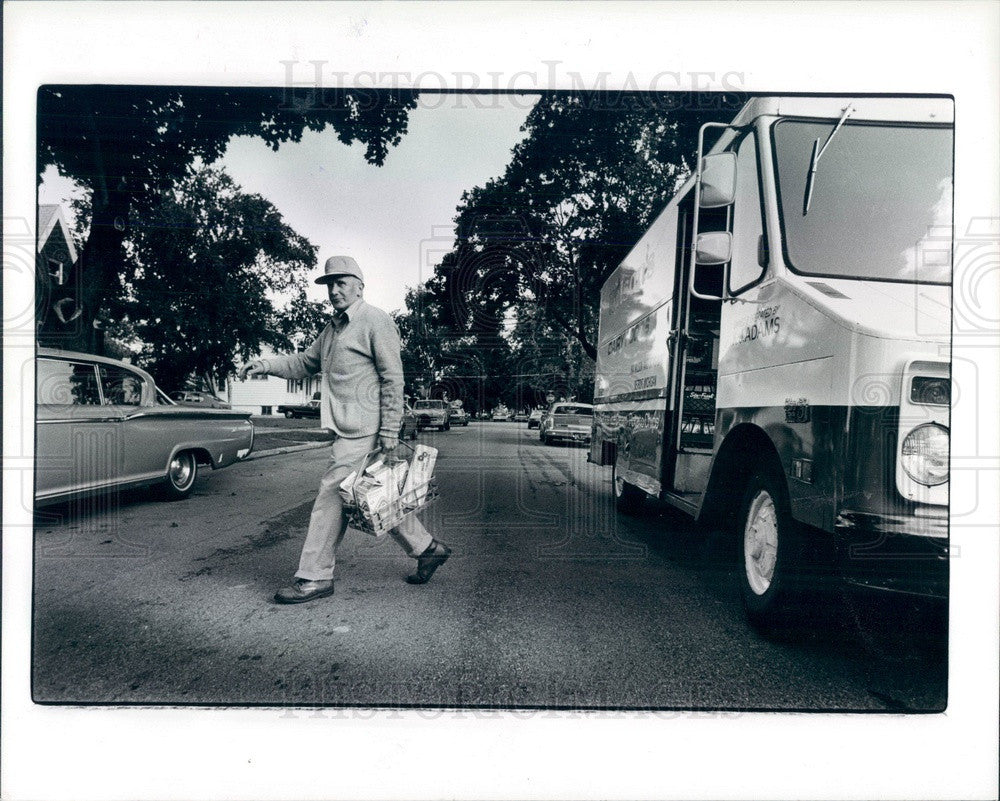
(388, 443)
(256, 367)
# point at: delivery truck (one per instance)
(773, 353)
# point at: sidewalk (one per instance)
(270, 440)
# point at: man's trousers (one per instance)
(328, 521)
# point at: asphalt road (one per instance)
(550, 600)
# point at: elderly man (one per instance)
(362, 403)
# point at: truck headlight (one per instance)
(925, 454)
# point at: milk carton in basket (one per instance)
(420, 472)
(375, 491)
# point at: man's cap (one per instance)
(337, 266)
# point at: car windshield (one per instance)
(880, 205)
(573, 410)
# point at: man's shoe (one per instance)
(304, 590)
(429, 561)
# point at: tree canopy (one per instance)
(592, 171)
(202, 272)
(128, 144)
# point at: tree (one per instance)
(579, 191)
(301, 321)
(546, 359)
(438, 360)
(128, 144)
(199, 274)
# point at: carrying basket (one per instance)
(377, 521)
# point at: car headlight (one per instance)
(925, 454)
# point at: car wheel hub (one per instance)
(760, 543)
(180, 471)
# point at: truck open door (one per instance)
(704, 246)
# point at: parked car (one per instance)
(520, 417)
(535, 418)
(566, 421)
(205, 400)
(296, 410)
(432, 413)
(102, 424)
(408, 428)
(457, 416)
(501, 414)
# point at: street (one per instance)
(551, 599)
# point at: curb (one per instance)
(307, 446)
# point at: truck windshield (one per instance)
(881, 194)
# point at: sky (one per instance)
(396, 220)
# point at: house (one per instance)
(55, 258)
(264, 394)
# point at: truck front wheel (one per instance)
(767, 532)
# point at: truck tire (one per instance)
(289, 414)
(628, 497)
(181, 473)
(767, 543)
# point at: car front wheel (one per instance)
(181, 474)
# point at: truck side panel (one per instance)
(632, 378)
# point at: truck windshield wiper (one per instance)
(816, 154)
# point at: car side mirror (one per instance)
(718, 180)
(715, 247)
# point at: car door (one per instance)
(77, 438)
(144, 437)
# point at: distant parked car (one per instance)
(408, 428)
(432, 413)
(567, 421)
(296, 410)
(520, 417)
(501, 414)
(102, 424)
(206, 400)
(535, 418)
(457, 416)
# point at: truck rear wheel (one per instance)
(628, 497)
(767, 534)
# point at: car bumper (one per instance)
(895, 553)
(569, 435)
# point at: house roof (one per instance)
(49, 216)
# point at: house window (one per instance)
(258, 377)
(295, 385)
(265, 409)
(56, 272)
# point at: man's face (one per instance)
(343, 291)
